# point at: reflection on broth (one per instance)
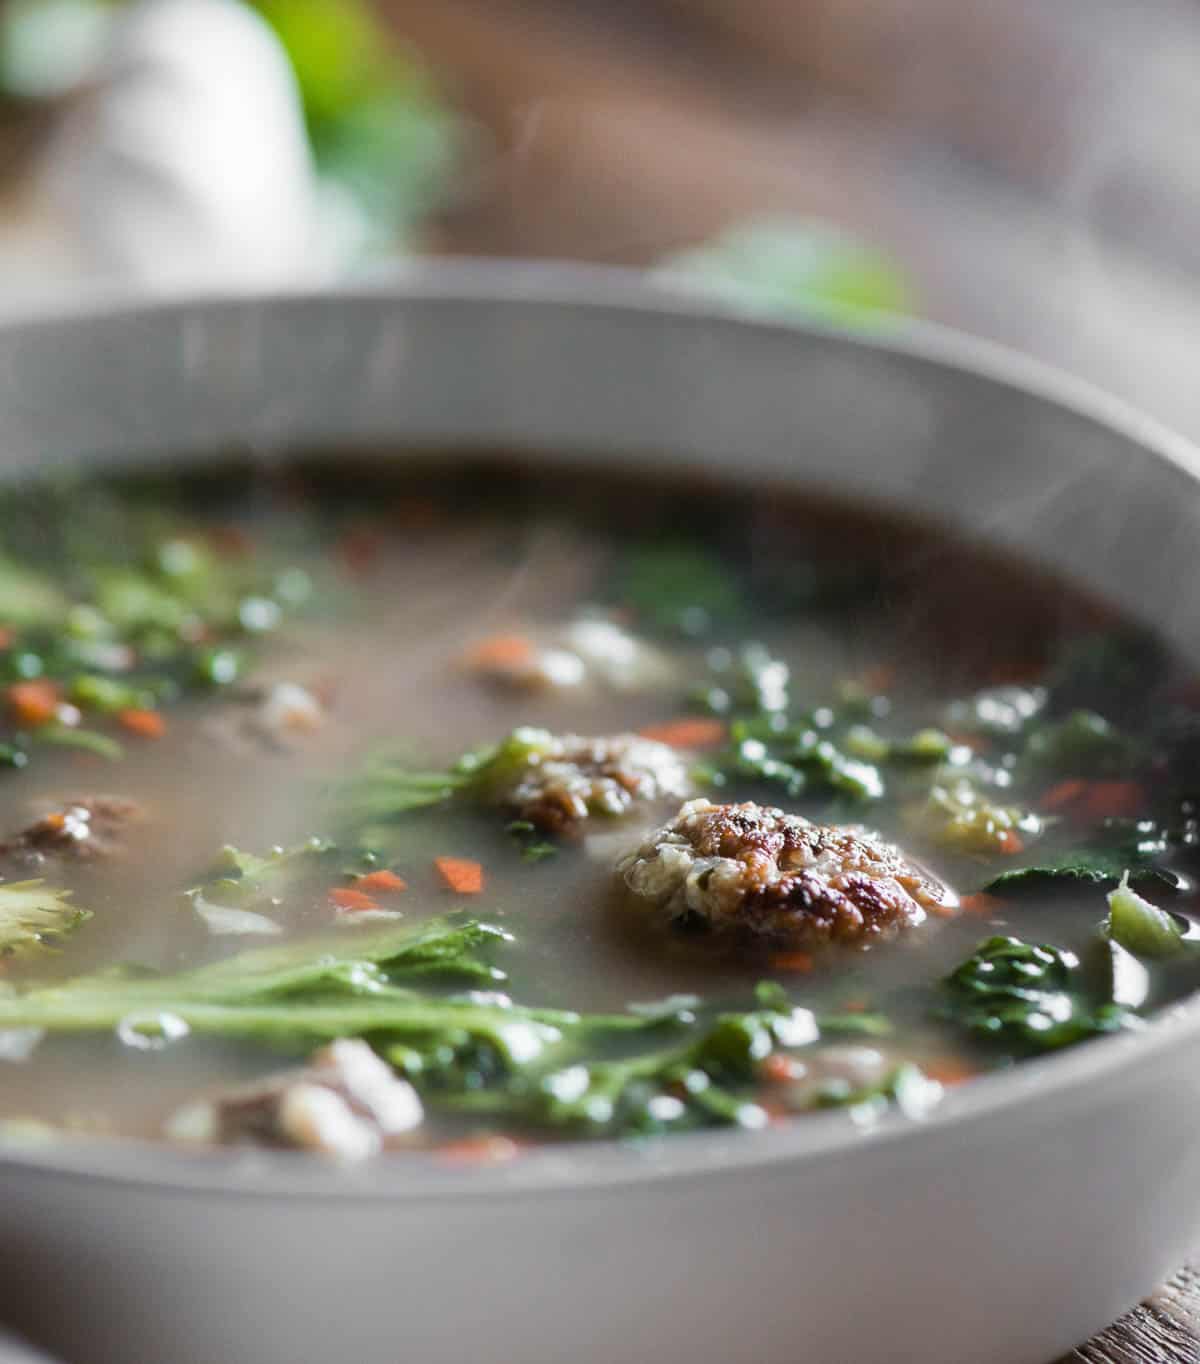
(352, 810)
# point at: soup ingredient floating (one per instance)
(754, 870)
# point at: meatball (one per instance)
(756, 871)
(557, 781)
(85, 828)
(347, 1103)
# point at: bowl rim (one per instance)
(596, 1166)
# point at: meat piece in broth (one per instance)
(557, 781)
(755, 870)
(87, 827)
(347, 1103)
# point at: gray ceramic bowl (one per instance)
(1029, 1210)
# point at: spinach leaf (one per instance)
(1029, 997)
(679, 586)
(1083, 744)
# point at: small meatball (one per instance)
(86, 828)
(558, 781)
(347, 1103)
(756, 871)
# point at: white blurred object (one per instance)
(189, 166)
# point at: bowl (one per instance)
(1027, 1211)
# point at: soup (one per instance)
(358, 806)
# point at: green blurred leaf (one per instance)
(797, 266)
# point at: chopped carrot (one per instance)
(7, 637)
(981, 903)
(494, 1150)
(691, 732)
(34, 703)
(500, 653)
(948, 1071)
(382, 880)
(878, 678)
(1116, 799)
(1010, 843)
(792, 961)
(776, 1112)
(359, 549)
(345, 897)
(231, 541)
(856, 1004)
(779, 1068)
(147, 724)
(1064, 794)
(460, 874)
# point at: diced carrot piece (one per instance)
(1064, 794)
(857, 1004)
(779, 1068)
(690, 732)
(981, 903)
(494, 1150)
(949, 1071)
(231, 541)
(1115, 799)
(460, 874)
(792, 961)
(878, 678)
(382, 880)
(345, 897)
(1010, 843)
(147, 724)
(359, 549)
(499, 653)
(776, 1112)
(34, 703)
(6, 637)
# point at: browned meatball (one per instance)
(757, 871)
(556, 781)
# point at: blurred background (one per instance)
(1026, 171)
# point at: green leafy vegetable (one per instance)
(1030, 997)
(33, 915)
(907, 1086)
(1097, 863)
(679, 586)
(1082, 744)
(796, 266)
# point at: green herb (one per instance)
(90, 740)
(1140, 927)
(797, 759)
(801, 267)
(33, 915)
(679, 587)
(907, 1087)
(1083, 744)
(1030, 997)
(533, 848)
(242, 880)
